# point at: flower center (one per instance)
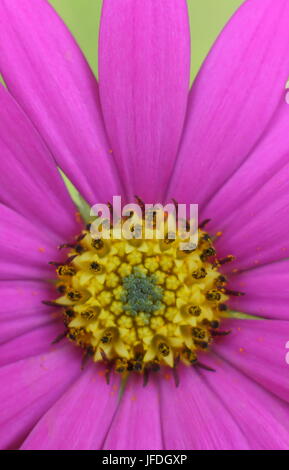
(139, 304)
(141, 294)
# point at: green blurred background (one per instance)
(207, 18)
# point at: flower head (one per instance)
(134, 306)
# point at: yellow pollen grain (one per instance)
(78, 217)
(167, 376)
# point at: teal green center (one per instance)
(141, 294)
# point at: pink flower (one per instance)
(223, 145)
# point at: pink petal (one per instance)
(144, 61)
(29, 180)
(79, 420)
(48, 75)
(31, 343)
(268, 157)
(30, 387)
(14, 327)
(262, 417)
(21, 299)
(137, 423)
(253, 218)
(25, 250)
(258, 232)
(22, 313)
(194, 418)
(266, 291)
(233, 99)
(258, 348)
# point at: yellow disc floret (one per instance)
(140, 304)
